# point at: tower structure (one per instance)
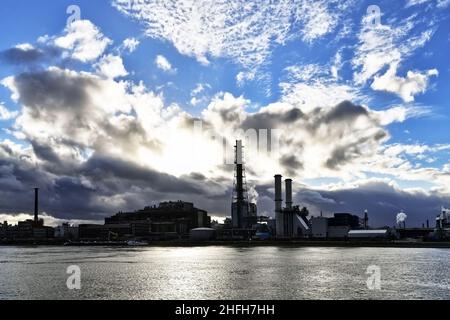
(243, 213)
(36, 205)
(291, 221)
(366, 220)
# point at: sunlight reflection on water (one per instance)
(223, 273)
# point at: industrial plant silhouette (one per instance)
(181, 221)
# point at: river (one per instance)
(220, 272)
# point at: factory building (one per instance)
(66, 231)
(203, 234)
(319, 227)
(168, 220)
(340, 225)
(291, 222)
(443, 219)
(28, 229)
(369, 234)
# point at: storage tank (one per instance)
(203, 234)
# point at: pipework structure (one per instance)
(243, 213)
(291, 222)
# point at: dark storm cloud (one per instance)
(60, 97)
(20, 56)
(267, 120)
(382, 201)
(331, 127)
(346, 154)
(55, 90)
(33, 55)
(197, 176)
(291, 164)
(345, 111)
(106, 168)
(46, 153)
(92, 190)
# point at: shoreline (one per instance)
(272, 243)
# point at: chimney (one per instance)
(278, 206)
(36, 205)
(428, 224)
(278, 195)
(289, 194)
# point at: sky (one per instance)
(113, 105)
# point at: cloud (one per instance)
(97, 144)
(416, 2)
(24, 53)
(49, 220)
(199, 95)
(5, 114)
(316, 94)
(443, 4)
(383, 200)
(162, 63)
(111, 66)
(96, 138)
(130, 44)
(244, 31)
(381, 197)
(311, 86)
(386, 45)
(413, 84)
(82, 41)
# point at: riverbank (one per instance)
(270, 243)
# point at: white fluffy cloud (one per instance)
(6, 114)
(384, 46)
(162, 63)
(407, 87)
(111, 66)
(83, 41)
(130, 44)
(245, 31)
(103, 143)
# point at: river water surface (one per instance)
(272, 273)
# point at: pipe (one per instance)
(278, 206)
(278, 193)
(36, 205)
(288, 194)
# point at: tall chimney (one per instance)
(428, 224)
(289, 194)
(278, 205)
(36, 205)
(278, 195)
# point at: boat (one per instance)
(134, 243)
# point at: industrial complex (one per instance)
(182, 221)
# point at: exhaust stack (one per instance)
(278, 206)
(36, 205)
(289, 194)
(278, 195)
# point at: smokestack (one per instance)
(278, 195)
(428, 224)
(288, 194)
(36, 205)
(278, 206)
